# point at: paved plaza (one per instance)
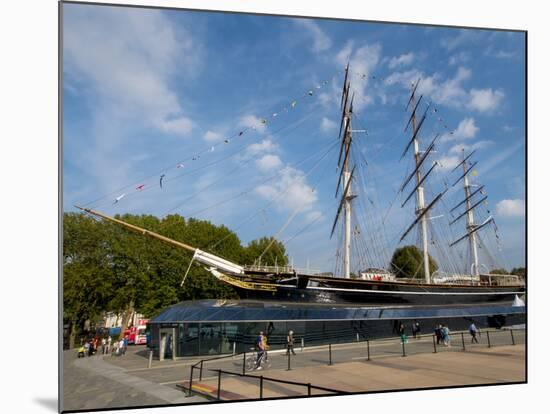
(108, 382)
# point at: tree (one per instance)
(407, 262)
(256, 252)
(499, 271)
(519, 271)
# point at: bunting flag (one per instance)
(120, 197)
(161, 178)
(293, 104)
(140, 187)
(180, 166)
(226, 141)
(474, 173)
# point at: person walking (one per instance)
(120, 350)
(402, 334)
(445, 335)
(124, 345)
(290, 343)
(416, 330)
(109, 341)
(103, 345)
(473, 331)
(438, 333)
(87, 348)
(261, 350)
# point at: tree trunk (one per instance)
(72, 334)
(126, 318)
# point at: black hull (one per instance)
(387, 294)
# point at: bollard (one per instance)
(234, 347)
(357, 336)
(302, 344)
(309, 389)
(150, 359)
(288, 361)
(512, 334)
(403, 346)
(244, 362)
(191, 382)
(219, 383)
(200, 372)
(488, 340)
(435, 348)
(463, 344)
(368, 350)
(261, 387)
(329, 354)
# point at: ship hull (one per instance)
(359, 292)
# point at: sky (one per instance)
(166, 93)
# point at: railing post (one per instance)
(150, 359)
(357, 336)
(288, 361)
(219, 383)
(261, 387)
(200, 371)
(368, 350)
(244, 362)
(463, 344)
(435, 348)
(191, 381)
(403, 346)
(512, 334)
(330, 354)
(488, 340)
(234, 347)
(302, 344)
(309, 389)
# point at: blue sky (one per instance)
(147, 90)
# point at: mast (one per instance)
(420, 202)
(346, 177)
(470, 225)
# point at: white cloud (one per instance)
(448, 92)
(457, 149)
(253, 122)
(403, 60)
(459, 58)
(268, 162)
(464, 36)
(511, 208)
(178, 126)
(328, 125)
(321, 41)
(448, 162)
(466, 129)
(485, 100)
(212, 136)
(363, 61)
(290, 190)
(262, 147)
(125, 57)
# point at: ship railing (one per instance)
(281, 269)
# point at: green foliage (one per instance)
(275, 255)
(499, 272)
(407, 262)
(107, 268)
(519, 271)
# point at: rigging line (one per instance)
(331, 146)
(224, 176)
(274, 238)
(292, 126)
(267, 205)
(234, 135)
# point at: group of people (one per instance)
(415, 331)
(442, 335)
(262, 347)
(105, 346)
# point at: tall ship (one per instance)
(375, 285)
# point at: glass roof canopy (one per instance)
(252, 311)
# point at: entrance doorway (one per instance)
(167, 343)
